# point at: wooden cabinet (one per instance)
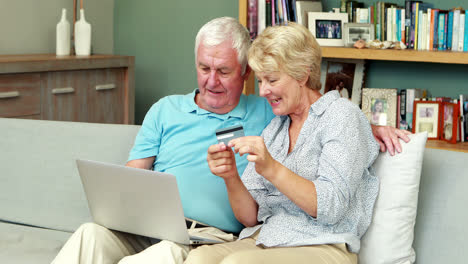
(98, 88)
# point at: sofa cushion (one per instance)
(39, 182)
(24, 245)
(390, 236)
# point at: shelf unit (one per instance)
(447, 57)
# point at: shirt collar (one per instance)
(191, 107)
(324, 101)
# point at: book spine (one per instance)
(252, 19)
(403, 25)
(455, 28)
(461, 32)
(441, 32)
(407, 21)
(450, 30)
(285, 12)
(294, 10)
(414, 24)
(435, 42)
(394, 24)
(388, 14)
(383, 18)
(445, 31)
(428, 33)
(261, 23)
(417, 36)
(465, 35)
(410, 95)
(378, 34)
(462, 119)
(268, 13)
(403, 123)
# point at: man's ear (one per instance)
(246, 75)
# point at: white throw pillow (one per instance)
(390, 236)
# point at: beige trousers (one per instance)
(94, 244)
(246, 252)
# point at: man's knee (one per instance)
(91, 231)
(241, 257)
(202, 255)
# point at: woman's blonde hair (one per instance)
(289, 48)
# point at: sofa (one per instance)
(42, 201)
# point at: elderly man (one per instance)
(174, 137)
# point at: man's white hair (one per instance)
(221, 29)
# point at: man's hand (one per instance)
(387, 137)
(221, 161)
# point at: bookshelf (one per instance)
(450, 57)
(447, 57)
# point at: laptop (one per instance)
(136, 201)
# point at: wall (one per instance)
(161, 36)
(28, 26)
(439, 79)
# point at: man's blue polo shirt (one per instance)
(178, 133)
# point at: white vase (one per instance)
(62, 47)
(82, 36)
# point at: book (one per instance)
(268, 21)
(303, 8)
(403, 25)
(461, 32)
(403, 124)
(252, 19)
(465, 38)
(455, 29)
(261, 15)
(411, 94)
(441, 30)
(434, 26)
(463, 103)
(449, 31)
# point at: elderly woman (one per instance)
(308, 192)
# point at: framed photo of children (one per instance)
(427, 118)
(327, 28)
(449, 122)
(345, 76)
(380, 106)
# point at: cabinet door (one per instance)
(64, 95)
(105, 99)
(20, 95)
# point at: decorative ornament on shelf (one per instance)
(62, 47)
(82, 35)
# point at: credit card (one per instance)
(226, 134)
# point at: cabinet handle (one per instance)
(63, 90)
(6, 95)
(102, 87)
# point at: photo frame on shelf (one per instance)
(449, 120)
(353, 32)
(346, 76)
(327, 28)
(380, 106)
(426, 117)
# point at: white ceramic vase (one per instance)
(82, 36)
(62, 47)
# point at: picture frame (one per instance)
(327, 28)
(353, 32)
(380, 106)
(449, 122)
(426, 117)
(350, 72)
